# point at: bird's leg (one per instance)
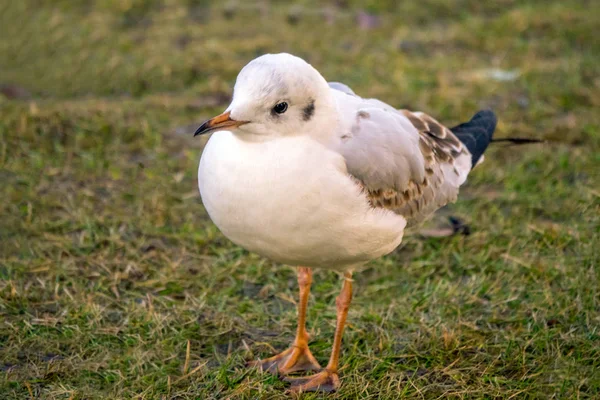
(298, 357)
(328, 380)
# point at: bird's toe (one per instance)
(294, 359)
(324, 381)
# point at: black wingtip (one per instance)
(514, 140)
(477, 133)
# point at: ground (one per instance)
(115, 284)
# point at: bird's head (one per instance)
(275, 95)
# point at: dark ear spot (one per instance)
(309, 110)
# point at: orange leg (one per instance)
(328, 380)
(298, 357)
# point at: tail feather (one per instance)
(477, 133)
(515, 140)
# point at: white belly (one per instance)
(291, 200)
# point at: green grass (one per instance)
(109, 265)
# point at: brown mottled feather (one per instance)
(438, 146)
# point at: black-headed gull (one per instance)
(307, 173)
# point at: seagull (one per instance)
(309, 174)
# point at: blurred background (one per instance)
(110, 268)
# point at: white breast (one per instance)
(291, 199)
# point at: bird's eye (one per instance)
(280, 108)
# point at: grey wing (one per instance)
(406, 162)
(341, 87)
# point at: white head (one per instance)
(275, 95)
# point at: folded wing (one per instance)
(405, 161)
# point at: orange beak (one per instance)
(220, 122)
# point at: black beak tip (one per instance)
(200, 130)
